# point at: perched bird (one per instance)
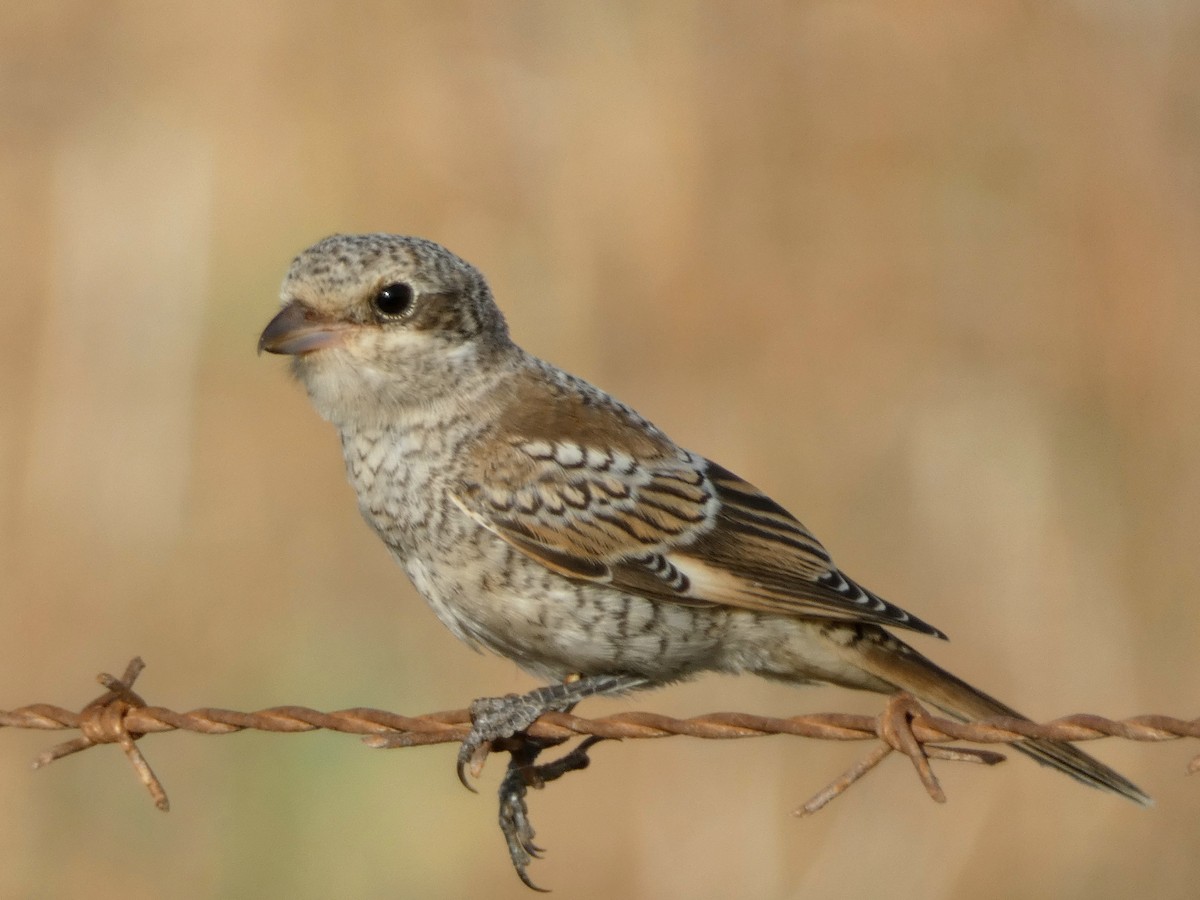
(548, 522)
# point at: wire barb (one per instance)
(104, 721)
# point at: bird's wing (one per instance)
(670, 525)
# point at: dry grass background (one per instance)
(925, 271)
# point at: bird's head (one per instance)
(381, 324)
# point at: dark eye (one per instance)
(393, 300)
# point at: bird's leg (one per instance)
(523, 774)
(493, 718)
(499, 723)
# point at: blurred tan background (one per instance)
(927, 272)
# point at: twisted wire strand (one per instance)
(121, 716)
(452, 726)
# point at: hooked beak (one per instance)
(297, 330)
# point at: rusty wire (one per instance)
(122, 716)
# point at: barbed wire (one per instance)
(121, 716)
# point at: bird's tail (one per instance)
(886, 657)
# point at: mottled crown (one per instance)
(335, 274)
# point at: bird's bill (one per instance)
(297, 330)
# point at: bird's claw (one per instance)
(515, 825)
(494, 719)
(523, 774)
(471, 756)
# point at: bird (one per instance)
(548, 522)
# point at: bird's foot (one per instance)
(496, 718)
(500, 723)
(523, 773)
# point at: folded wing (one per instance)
(674, 527)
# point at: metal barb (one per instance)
(895, 728)
(104, 721)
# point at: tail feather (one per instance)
(888, 658)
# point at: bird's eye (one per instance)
(394, 300)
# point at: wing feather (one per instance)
(673, 526)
